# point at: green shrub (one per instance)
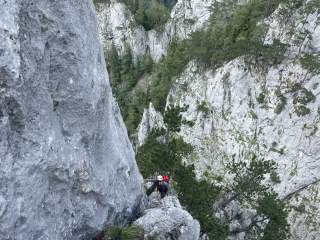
(204, 108)
(304, 97)
(311, 63)
(161, 152)
(199, 197)
(249, 188)
(282, 102)
(301, 98)
(173, 118)
(274, 177)
(301, 110)
(273, 209)
(151, 14)
(261, 98)
(249, 177)
(131, 232)
(152, 156)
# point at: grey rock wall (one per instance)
(67, 168)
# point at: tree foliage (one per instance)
(249, 187)
(273, 209)
(249, 176)
(311, 63)
(125, 72)
(131, 232)
(151, 14)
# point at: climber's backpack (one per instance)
(166, 178)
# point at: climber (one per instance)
(161, 186)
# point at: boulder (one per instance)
(167, 220)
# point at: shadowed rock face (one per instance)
(67, 168)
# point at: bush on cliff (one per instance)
(131, 232)
(151, 14)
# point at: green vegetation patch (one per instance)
(204, 108)
(304, 97)
(272, 208)
(234, 31)
(301, 98)
(301, 110)
(311, 63)
(151, 14)
(261, 99)
(131, 232)
(281, 101)
(248, 187)
(124, 75)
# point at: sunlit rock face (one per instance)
(67, 168)
(117, 26)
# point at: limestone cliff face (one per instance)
(117, 25)
(67, 167)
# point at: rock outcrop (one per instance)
(117, 26)
(166, 220)
(151, 119)
(67, 168)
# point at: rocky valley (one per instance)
(99, 97)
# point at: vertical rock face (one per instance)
(67, 167)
